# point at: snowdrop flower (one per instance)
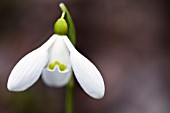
(55, 60)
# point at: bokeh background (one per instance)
(128, 40)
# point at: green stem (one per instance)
(69, 96)
(63, 14)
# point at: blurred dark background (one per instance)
(128, 40)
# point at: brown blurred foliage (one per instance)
(128, 40)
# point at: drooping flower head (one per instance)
(56, 59)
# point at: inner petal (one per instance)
(59, 55)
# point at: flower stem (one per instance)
(69, 96)
(63, 14)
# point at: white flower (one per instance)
(55, 59)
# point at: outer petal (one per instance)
(56, 78)
(86, 73)
(47, 45)
(27, 71)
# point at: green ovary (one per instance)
(61, 66)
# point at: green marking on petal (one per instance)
(57, 63)
(51, 66)
(61, 66)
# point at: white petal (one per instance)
(56, 78)
(86, 73)
(59, 52)
(49, 42)
(69, 44)
(27, 71)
